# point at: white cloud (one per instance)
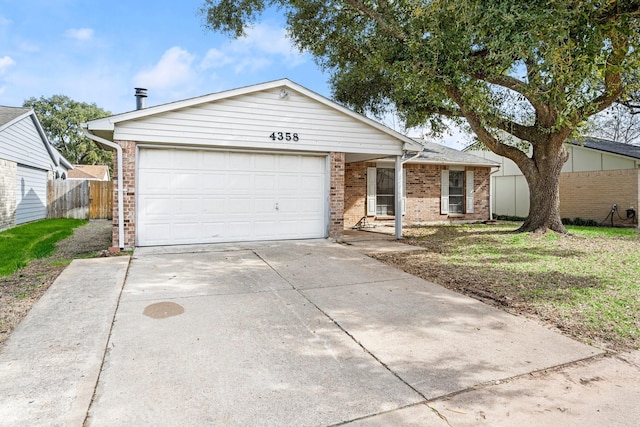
(173, 69)
(80, 34)
(5, 63)
(29, 47)
(263, 46)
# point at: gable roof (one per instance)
(9, 114)
(439, 154)
(608, 146)
(89, 172)
(12, 115)
(105, 127)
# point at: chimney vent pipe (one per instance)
(141, 95)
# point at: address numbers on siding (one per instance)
(284, 136)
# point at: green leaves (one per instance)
(61, 119)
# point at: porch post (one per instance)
(398, 198)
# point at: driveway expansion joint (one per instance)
(107, 346)
(365, 349)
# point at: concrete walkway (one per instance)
(50, 364)
(306, 333)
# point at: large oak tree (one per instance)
(535, 69)
(62, 118)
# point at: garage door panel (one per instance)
(156, 182)
(265, 183)
(155, 207)
(186, 231)
(240, 162)
(289, 163)
(208, 196)
(157, 159)
(186, 183)
(214, 181)
(240, 183)
(214, 206)
(312, 183)
(265, 163)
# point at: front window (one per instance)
(456, 192)
(385, 189)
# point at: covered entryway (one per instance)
(205, 196)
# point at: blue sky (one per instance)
(98, 51)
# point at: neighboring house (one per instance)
(597, 175)
(27, 162)
(90, 172)
(274, 161)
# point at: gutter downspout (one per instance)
(491, 190)
(120, 182)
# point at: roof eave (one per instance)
(450, 163)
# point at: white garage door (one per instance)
(194, 196)
(31, 194)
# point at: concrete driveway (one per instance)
(300, 333)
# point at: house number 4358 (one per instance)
(284, 136)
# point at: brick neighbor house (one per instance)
(598, 175)
(275, 161)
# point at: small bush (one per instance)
(580, 222)
(508, 218)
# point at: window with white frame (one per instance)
(381, 192)
(385, 192)
(457, 191)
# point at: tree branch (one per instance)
(613, 86)
(391, 29)
(513, 153)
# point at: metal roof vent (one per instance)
(141, 95)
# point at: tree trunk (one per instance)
(543, 176)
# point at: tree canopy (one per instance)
(61, 119)
(535, 70)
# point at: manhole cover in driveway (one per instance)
(162, 310)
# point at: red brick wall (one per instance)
(336, 196)
(129, 194)
(590, 195)
(355, 192)
(423, 193)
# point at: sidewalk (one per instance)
(49, 366)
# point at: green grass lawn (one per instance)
(586, 284)
(34, 240)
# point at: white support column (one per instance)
(398, 196)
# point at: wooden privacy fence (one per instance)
(80, 199)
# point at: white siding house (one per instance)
(274, 161)
(597, 175)
(27, 162)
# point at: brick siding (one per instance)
(129, 195)
(590, 195)
(8, 197)
(336, 196)
(422, 190)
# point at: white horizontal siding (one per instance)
(21, 143)
(31, 192)
(248, 120)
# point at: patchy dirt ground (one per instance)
(548, 290)
(19, 291)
